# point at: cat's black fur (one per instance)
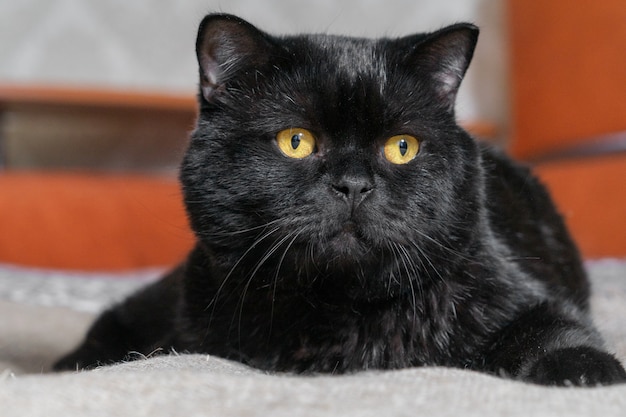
(343, 261)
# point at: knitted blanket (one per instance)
(45, 313)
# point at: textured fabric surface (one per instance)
(36, 329)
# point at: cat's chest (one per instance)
(306, 338)
(348, 342)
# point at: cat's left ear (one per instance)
(445, 56)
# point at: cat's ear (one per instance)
(445, 56)
(227, 45)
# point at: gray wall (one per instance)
(148, 44)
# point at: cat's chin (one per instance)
(347, 247)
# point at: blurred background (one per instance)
(149, 44)
(97, 98)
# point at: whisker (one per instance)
(213, 301)
(251, 276)
(396, 258)
(405, 257)
(242, 231)
(425, 256)
(442, 246)
(275, 280)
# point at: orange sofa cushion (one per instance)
(115, 222)
(591, 195)
(568, 71)
(91, 222)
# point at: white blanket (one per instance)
(45, 313)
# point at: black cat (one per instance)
(344, 222)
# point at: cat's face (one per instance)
(328, 154)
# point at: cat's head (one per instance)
(332, 156)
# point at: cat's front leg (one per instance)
(551, 345)
(144, 323)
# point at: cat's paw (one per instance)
(582, 366)
(88, 356)
(69, 363)
(81, 359)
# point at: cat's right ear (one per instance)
(227, 45)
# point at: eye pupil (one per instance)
(295, 141)
(401, 149)
(403, 146)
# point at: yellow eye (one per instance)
(401, 149)
(296, 142)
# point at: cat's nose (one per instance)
(353, 189)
